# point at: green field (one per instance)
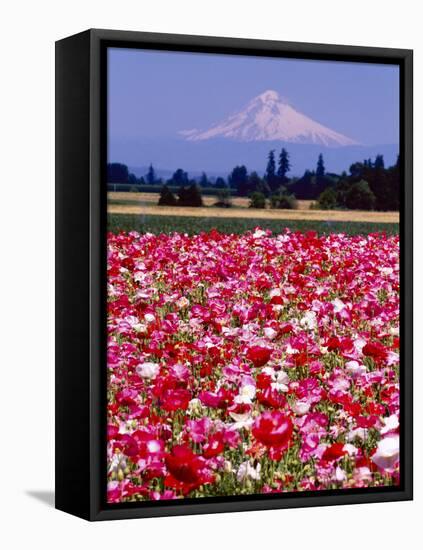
(192, 225)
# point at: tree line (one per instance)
(369, 185)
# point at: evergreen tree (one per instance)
(167, 198)
(151, 175)
(204, 182)
(357, 169)
(393, 192)
(270, 175)
(320, 169)
(379, 162)
(132, 178)
(190, 196)
(284, 165)
(271, 165)
(117, 173)
(238, 179)
(179, 178)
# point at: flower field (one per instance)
(251, 363)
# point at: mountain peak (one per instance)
(269, 117)
(268, 96)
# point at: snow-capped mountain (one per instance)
(268, 117)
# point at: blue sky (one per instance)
(155, 94)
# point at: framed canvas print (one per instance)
(234, 274)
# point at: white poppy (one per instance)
(355, 368)
(149, 318)
(270, 333)
(391, 423)
(148, 370)
(309, 320)
(340, 474)
(338, 305)
(387, 453)
(246, 394)
(247, 471)
(301, 407)
(258, 233)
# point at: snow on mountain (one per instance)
(268, 117)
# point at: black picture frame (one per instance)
(81, 146)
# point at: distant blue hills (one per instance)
(217, 157)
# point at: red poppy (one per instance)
(188, 470)
(112, 432)
(175, 399)
(273, 429)
(270, 397)
(259, 355)
(366, 421)
(286, 328)
(375, 350)
(300, 359)
(130, 445)
(218, 400)
(334, 451)
(214, 446)
(263, 380)
(343, 345)
(366, 462)
(375, 408)
(354, 408)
